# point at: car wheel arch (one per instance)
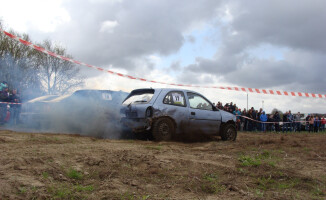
(165, 116)
(157, 131)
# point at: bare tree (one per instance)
(33, 71)
(57, 76)
(16, 66)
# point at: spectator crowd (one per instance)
(254, 120)
(9, 105)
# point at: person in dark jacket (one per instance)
(244, 121)
(311, 123)
(270, 126)
(277, 120)
(316, 124)
(254, 116)
(307, 122)
(250, 122)
(285, 122)
(14, 108)
(4, 98)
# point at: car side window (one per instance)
(175, 98)
(198, 102)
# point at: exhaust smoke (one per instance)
(94, 113)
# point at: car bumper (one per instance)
(137, 125)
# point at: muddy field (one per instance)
(256, 166)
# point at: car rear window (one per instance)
(139, 97)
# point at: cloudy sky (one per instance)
(273, 44)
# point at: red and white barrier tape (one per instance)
(10, 103)
(251, 90)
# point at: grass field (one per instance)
(256, 166)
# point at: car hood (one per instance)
(226, 116)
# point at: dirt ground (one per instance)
(256, 166)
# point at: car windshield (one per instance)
(139, 98)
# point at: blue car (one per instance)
(166, 112)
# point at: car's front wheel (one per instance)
(163, 129)
(229, 132)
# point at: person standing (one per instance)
(290, 120)
(277, 120)
(311, 123)
(270, 125)
(14, 108)
(4, 97)
(297, 119)
(323, 124)
(316, 124)
(244, 120)
(263, 119)
(237, 113)
(254, 117)
(250, 122)
(307, 122)
(285, 122)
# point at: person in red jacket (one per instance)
(323, 123)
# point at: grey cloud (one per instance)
(175, 66)
(295, 25)
(190, 77)
(144, 28)
(157, 27)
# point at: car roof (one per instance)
(43, 98)
(167, 89)
(88, 92)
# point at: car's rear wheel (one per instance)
(163, 129)
(229, 132)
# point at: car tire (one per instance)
(163, 129)
(229, 132)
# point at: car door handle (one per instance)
(193, 113)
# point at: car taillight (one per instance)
(149, 112)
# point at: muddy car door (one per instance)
(175, 106)
(203, 117)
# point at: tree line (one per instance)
(34, 73)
